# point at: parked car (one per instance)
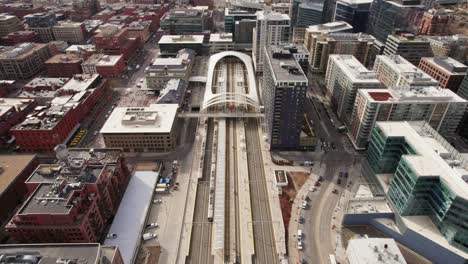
(304, 205)
(299, 245)
(152, 225)
(148, 236)
(157, 201)
(335, 191)
(301, 220)
(111, 236)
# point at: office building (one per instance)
(389, 16)
(271, 29)
(53, 122)
(63, 65)
(394, 71)
(19, 37)
(72, 200)
(455, 47)
(84, 9)
(140, 29)
(345, 76)
(463, 92)
(23, 61)
(109, 66)
(70, 32)
(408, 46)
(374, 250)
(355, 13)
(441, 108)
(243, 33)
(12, 112)
(42, 24)
(142, 129)
(235, 22)
(304, 13)
(65, 252)
(284, 91)
(282, 8)
(221, 42)
(425, 183)
(180, 21)
(9, 24)
(434, 22)
(320, 45)
(171, 45)
(447, 71)
(161, 70)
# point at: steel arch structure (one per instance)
(214, 99)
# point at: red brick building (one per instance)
(12, 112)
(45, 84)
(20, 37)
(104, 15)
(447, 71)
(113, 40)
(20, 10)
(72, 200)
(63, 65)
(50, 125)
(106, 65)
(434, 22)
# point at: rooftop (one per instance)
(157, 118)
(284, 66)
(374, 251)
(45, 81)
(425, 94)
(181, 39)
(223, 37)
(81, 48)
(448, 64)
(75, 168)
(354, 68)
(172, 93)
(102, 60)
(68, 24)
(10, 167)
(428, 160)
(350, 37)
(406, 69)
(330, 27)
(355, 2)
(21, 51)
(18, 103)
(183, 58)
(272, 16)
(64, 58)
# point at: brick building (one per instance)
(64, 252)
(447, 71)
(434, 22)
(23, 61)
(63, 65)
(104, 15)
(105, 65)
(51, 124)
(5, 87)
(42, 24)
(19, 9)
(113, 40)
(12, 112)
(19, 37)
(139, 29)
(73, 200)
(84, 9)
(45, 84)
(83, 51)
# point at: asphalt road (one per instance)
(264, 242)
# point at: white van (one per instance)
(299, 234)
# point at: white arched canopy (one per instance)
(213, 99)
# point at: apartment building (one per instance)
(142, 129)
(455, 47)
(271, 29)
(355, 13)
(110, 66)
(344, 77)
(395, 71)
(23, 61)
(424, 179)
(72, 200)
(447, 71)
(115, 40)
(71, 32)
(284, 91)
(441, 108)
(408, 46)
(42, 24)
(435, 22)
(9, 24)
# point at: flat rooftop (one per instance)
(428, 162)
(354, 69)
(129, 222)
(11, 166)
(406, 69)
(64, 58)
(284, 66)
(448, 65)
(330, 27)
(18, 103)
(80, 82)
(109, 60)
(81, 48)
(355, 2)
(45, 81)
(21, 51)
(181, 39)
(221, 38)
(374, 251)
(425, 94)
(157, 118)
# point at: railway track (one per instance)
(264, 243)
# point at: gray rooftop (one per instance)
(285, 67)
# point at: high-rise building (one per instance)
(321, 44)
(304, 13)
(345, 76)
(271, 29)
(42, 24)
(73, 199)
(355, 13)
(71, 32)
(180, 21)
(434, 22)
(447, 71)
(441, 108)
(463, 92)
(408, 46)
(284, 91)
(243, 32)
(64, 252)
(455, 47)
(232, 16)
(394, 71)
(23, 61)
(389, 16)
(424, 179)
(9, 24)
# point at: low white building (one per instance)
(374, 251)
(221, 42)
(142, 129)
